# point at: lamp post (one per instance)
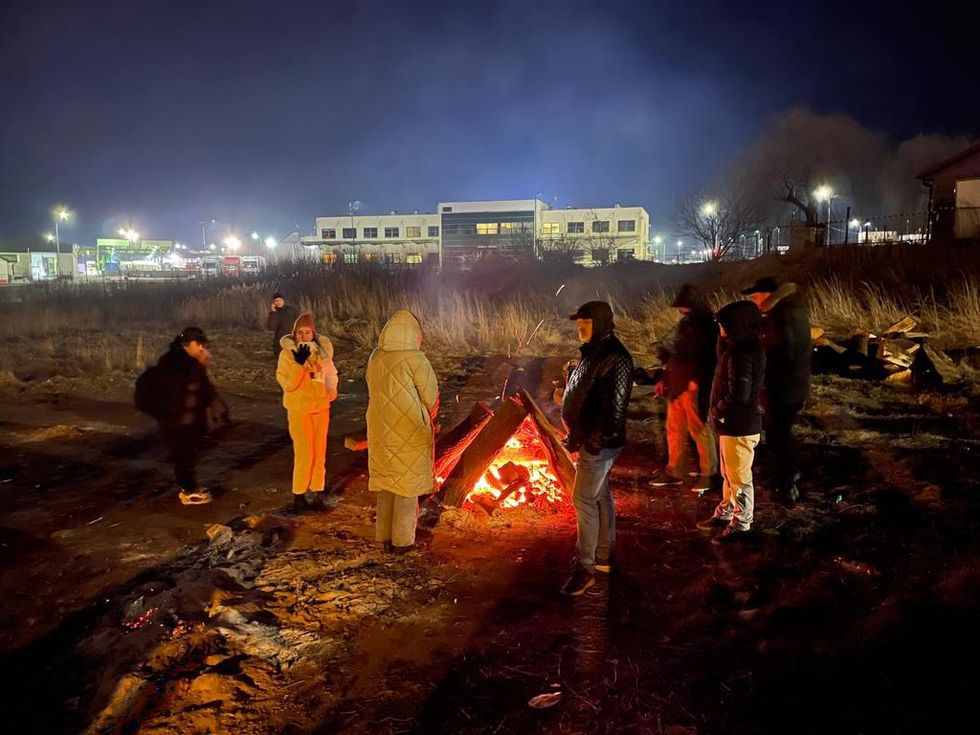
(824, 193)
(658, 241)
(680, 244)
(60, 215)
(709, 210)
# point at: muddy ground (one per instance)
(855, 611)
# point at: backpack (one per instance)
(146, 396)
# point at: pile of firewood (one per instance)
(899, 354)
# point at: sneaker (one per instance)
(299, 502)
(200, 496)
(702, 484)
(731, 535)
(713, 524)
(604, 566)
(662, 478)
(402, 549)
(578, 583)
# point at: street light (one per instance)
(232, 242)
(824, 193)
(61, 214)
(49, 237)
(270, 242)
(680, 244)
(709, 209)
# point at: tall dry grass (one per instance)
(509, 308)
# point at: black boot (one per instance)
(299, 503)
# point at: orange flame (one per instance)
(535, 481)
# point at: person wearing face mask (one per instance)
(308, 378)
(594, 412)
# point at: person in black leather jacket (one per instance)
(594, 411)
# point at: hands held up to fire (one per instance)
(301, 354)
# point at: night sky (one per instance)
(265, 114)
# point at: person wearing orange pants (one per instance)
(308, 378)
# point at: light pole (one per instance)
(680, 244)
(824, 193)
(60, 215)
(709, 210)
(658, 241)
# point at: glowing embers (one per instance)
(521, 473)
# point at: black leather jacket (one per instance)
(598, 390)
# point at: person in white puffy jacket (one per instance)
(308, 377)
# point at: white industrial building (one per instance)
(460, 233)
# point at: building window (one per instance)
(391, 232)
(600, 225)
(330, 234)
(551, 228)
(329, 258)
(487, 228)
(574, 227)
(350, 257)
(600, 255)
(626, 254)
(370, 232)
(413, 258)
(413, 232)
(626, 225)
(349, 233)
(447, 209)
(433, 231)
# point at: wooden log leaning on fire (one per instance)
(560, 460)
(451, 444)
(478, 455)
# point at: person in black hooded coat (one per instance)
(594, 411)
(688, 355)
(736, 414)
(186, 404)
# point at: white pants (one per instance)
(738, 495)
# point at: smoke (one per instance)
(863, 167)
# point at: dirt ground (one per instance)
(854, 611)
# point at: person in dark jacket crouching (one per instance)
(594, 411)
(786, 339)
(736, 415)
(186, 404)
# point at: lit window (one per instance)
(600, 225)
(349, 233)
(486, 228)
(370, 232)
(413, 232)
(391, 232)
(433, 231)
(413, 258)
(626, 225)
(330, 257)
(350, 257)
(574, 227)
(328, 234)
(551, 228)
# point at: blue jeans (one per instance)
(594, 509)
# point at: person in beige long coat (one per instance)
(308, 378)
(403, 400)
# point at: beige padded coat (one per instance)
(403, 400)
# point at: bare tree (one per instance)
(717, 222)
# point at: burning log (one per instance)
(452, 444)
(483, 447)
(557, 454)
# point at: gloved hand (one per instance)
(301, 354)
